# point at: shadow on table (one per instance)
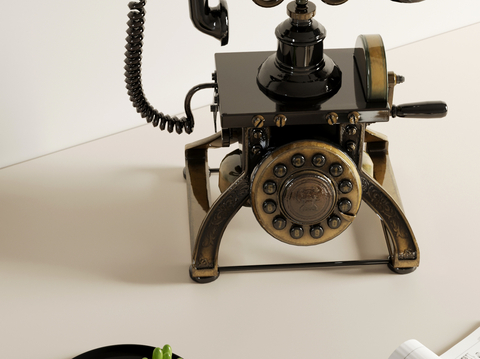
(130, 225)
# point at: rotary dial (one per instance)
(306, 192)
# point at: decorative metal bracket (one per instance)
(381, 194)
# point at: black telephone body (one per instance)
(305, 158)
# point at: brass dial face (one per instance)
(306, 192)
(307, 197)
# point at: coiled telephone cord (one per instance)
(133, 77)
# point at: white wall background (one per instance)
(62, 61)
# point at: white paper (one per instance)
(468, 348)
(412, 349)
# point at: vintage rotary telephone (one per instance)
(300, 117)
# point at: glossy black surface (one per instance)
(310, 86)
(300, 44)
(429, 109)
(121, 351)
(241, 98)
(211, 21)
(299, 70)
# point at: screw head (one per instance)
(351, 130)
(280, 120)
(332, 118)
(353, 117)
(258, 121)
(351, 146)
(258, 134)
(256, 149)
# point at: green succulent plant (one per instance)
(163, 353)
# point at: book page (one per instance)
(413, 349)
(468, 348)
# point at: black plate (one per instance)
(121, 351)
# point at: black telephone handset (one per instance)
(306, 159)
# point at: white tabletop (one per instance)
(95, 246)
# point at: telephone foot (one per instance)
(401, 270)
(202, 279)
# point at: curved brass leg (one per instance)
(205, 255)
(404, 252)
(381, 193)
(197, 174)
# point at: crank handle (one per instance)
(428, 109)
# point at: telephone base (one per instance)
(209, 219)
(299, 167)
